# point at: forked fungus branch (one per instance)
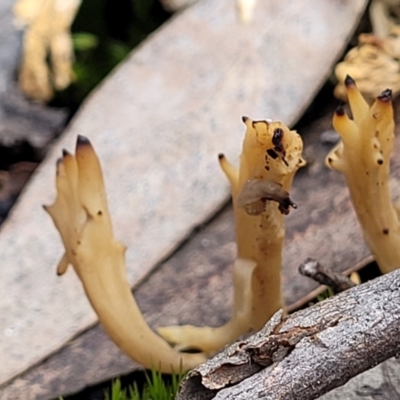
(81, 215)
(270, 158)
(363, 156)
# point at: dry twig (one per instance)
(308, 353)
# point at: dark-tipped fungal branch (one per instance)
(363, 157)
(81, 216)
(260, 191)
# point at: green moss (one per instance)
(155, 388)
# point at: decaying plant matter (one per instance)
(270, 158)
(374, 63)
(81, 216)
(363, 156)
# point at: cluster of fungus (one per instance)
(260, 188)
(271, 156)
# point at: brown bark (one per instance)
(308, 353)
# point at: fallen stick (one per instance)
(314, 270)
(308, 353)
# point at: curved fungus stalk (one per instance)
(80, 214)
(363, 157)
(270, 158)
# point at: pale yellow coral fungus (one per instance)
(47, 39)
(363, 156)
(81, 216)
(271, 156)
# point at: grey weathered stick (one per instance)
(308, 353)
(314, 270)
